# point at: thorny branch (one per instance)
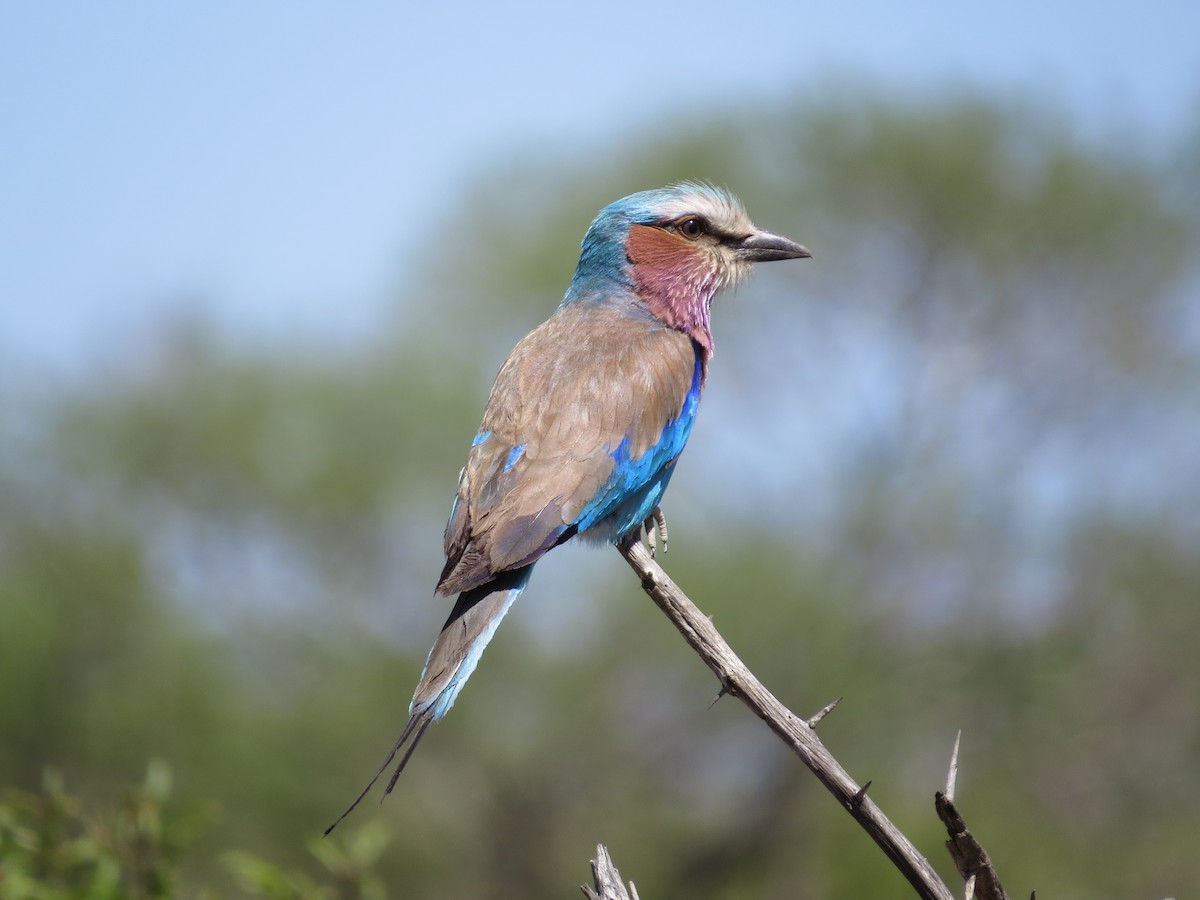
(968, 854)
(799, 734)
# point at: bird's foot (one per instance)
(656, 527)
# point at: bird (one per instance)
(587, 417)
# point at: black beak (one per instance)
(762, 246)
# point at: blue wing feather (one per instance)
(636, 486)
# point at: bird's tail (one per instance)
(455, 653)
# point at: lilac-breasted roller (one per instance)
(587, 416)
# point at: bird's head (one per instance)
(675, 247)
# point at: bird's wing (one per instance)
(584, 413)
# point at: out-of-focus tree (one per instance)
(945, 470)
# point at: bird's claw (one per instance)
(656, 530)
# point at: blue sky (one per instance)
(272, 163)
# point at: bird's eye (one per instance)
(692, 227)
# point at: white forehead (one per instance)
(720, 208)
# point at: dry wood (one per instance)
(968, 854)
(738, 681)
(607, 879)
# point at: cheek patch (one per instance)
(653, 247)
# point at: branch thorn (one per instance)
(859, 796)
(952, 772)
(815, 719)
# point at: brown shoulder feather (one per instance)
(571, 391)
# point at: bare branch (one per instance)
(968, 854)
(607, 879)
(737, 680)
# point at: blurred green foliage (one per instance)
(52, 847)
(945, 470)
